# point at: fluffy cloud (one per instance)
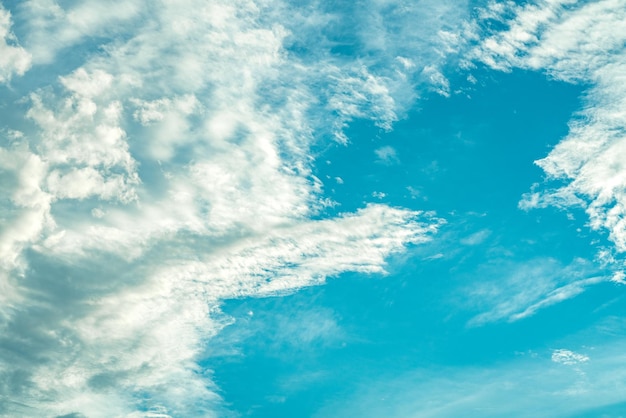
(576, 42)
(167, 170)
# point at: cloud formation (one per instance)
(167, 170)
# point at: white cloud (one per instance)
(51, 27)
(168, 169)
(577, 42)
(13, 58)
(387, 155)
(568, 357)
(438, 81)
(25, 216)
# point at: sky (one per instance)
(303, 208)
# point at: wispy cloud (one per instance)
(50, 28)
(509, 291)
(564, 356)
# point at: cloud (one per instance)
(387, 155)
(580, 42)
(50, 27)
(13, 58)
(476, 238)
(512, 292)
(165, 168)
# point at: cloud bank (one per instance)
(162, 165)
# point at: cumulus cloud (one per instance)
(164, 169)
(579, 42)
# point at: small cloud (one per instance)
(14, 134)
(97, 213)
(434, 257)
(387, 155)
(406, 62)
(568, 357)
(619, 277)
(437, 80)
(415, 193)
(339, 180)
(379, 195)
(476, 238)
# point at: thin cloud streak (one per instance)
(513, 291)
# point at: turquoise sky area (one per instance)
(268, 208)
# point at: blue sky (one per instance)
(318, 209)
